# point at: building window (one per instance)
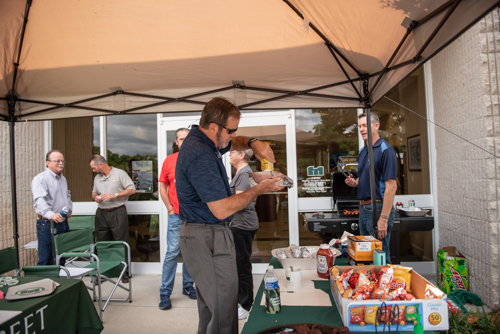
(323, 135)
(132, 146)
(76, 138)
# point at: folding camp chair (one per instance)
(106, 257)
(79, 223)
(45, 271)
(8, 260)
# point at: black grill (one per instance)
(344, 197)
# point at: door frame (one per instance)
(257, 118)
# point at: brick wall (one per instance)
(465, 78)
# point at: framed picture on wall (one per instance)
(414, 153)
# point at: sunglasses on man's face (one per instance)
(229, 131)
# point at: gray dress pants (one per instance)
(209, 254)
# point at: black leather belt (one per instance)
(225, 223)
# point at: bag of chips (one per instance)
(384, 314)
(401, 278)
(371, 315)
(411, 310)
(358, 315)
(431, 292)
(398, 314)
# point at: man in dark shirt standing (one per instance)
(385, 165)
(207, 208)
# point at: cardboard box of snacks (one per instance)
(360, 247)
(370, 315)
(452, 270)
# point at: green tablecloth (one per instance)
(259, 320)
(68, 310)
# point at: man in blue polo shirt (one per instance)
(207, 208)
(384, 156)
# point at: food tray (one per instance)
(292, 327)
(417, 212)
(304, 264)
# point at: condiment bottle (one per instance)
(324, 259)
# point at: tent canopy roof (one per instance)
(103, 57)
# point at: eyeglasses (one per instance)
(229, 131)
(58, 161)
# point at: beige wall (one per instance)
(29, 162)
(465, 79)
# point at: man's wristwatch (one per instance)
(116, 195)
(250, 141)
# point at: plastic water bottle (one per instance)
(64, 212)
(272, 291)
(411, 204)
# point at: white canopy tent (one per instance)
(79, 58)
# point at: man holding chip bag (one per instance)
(385, 163)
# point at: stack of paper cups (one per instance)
(293, 278)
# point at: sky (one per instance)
(130, 134)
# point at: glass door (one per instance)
(277, 212)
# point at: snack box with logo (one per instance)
(452, 270)
(360, 247)
(365, 316)
(353, 262)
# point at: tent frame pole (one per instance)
(369, 144)
(13, 188)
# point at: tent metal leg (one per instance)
(14, 189)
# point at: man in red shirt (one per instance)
(168, 194)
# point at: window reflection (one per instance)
(133, 138)
(144, 238)
(76, 138)
(322, 136)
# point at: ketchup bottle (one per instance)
(324, 259)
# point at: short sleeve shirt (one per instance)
(245, 219)
(116, 181)
(385, 169)
(167, 176)
(200, 177)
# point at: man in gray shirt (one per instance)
(112, 187)
(50, 196)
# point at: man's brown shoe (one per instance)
(125, 279)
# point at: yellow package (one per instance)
(371, 315)
(347, 293)
(401, 278)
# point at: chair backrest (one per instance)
(8, 260)
(81, 222)
(66, 242)
(110, 250)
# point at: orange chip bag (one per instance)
(358, 315)
(380, 292)
(401, 278)
(371, 314)
(347, 293)
(398, 314)
(363, 279)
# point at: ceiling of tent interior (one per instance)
(103, 57)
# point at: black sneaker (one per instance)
(165, 303)
(190, 292)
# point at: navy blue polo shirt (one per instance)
(385, 169)
(200, 177)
